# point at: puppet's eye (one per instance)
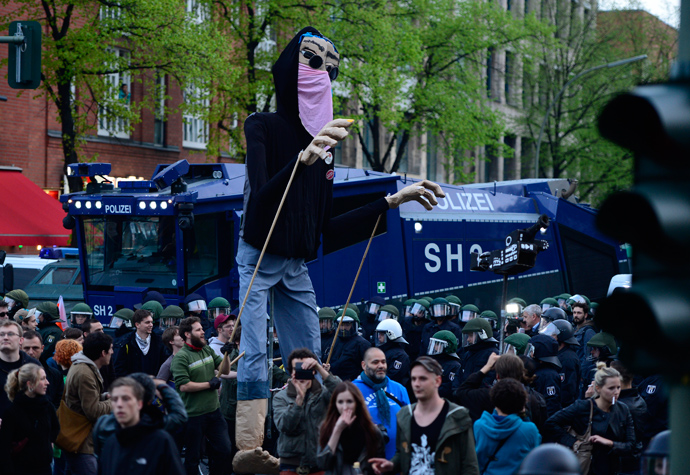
(308, 54)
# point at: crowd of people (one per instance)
(419, 387)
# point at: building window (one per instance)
(197, 11)
(508, 77)
(110, 113)
(489, 69)
(431, 156)
(159, 111)
(195, 127)
(509, 5)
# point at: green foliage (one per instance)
(83, 71)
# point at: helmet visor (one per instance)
(545, 306)
(372, 308)
(468, 315)
(385, 315)
(381, 337)
(436, 346)
(469, 339)
(10, 303)
(453, 309)
(116, 322)
(550, 330)
(197, 306)
(416, 308)
(37, 314)
(214, 312)
(508, 349)
(439, 310)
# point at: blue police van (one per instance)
(178, 232)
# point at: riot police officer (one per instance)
(442, 347)
(478, 343)
(369, 317)
(570, 371)
(79, 314)
(439, 314)
(349, 348)
(455, 307)
(548, 382)
(388, 336)
(413, 327)
(601, 347)
(326, 317)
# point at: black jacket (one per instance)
(413, 335)
(450, 380)
(638, 410)
(548, 384)
(431, 328)
(5, 369)
(130, 359)
(570, 375)
(29, 427)
(653, 391)
(368, 324)
(140, 450)
(274, 141)
(56, 385)
(620, 429)
(348, 354)
(398, 362)
(475, 357)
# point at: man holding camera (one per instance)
(298, 410)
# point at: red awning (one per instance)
(28, 215)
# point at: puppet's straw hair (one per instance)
(268, 238)
(335, 337)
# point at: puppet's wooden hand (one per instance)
(330, 135)
(424, 192)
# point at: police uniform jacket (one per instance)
(450, 380)
(413, 335)
(475, 357)
(368, 325)
(570, 375)
(348, 354)
(548, 384)
(653, 391)
(398, 362)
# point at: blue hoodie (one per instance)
(520, 437)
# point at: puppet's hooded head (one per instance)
(302, 76)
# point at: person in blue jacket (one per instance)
(383, 396)
(503, 439)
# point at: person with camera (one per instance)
(298, 410)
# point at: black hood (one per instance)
(285, 79)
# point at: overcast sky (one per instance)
(667, 10)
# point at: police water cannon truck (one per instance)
(178, 233)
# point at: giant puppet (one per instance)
(295, 138)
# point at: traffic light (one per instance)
(651, 320)
(24, 60)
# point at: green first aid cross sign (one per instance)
(381, 287)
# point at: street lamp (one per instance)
(577, 76)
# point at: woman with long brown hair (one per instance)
(348, 435)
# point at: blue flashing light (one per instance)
(58, 252)
(88, 169)
(140, 185)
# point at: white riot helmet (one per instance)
(389, 330)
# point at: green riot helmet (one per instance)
(122, 317)
(469, 312)
(606, 345)
(171, 316)
(79, 314)
(443, 342)
(155, 308)
(388, 330)
(477, 330)
(419, 309)
(518, 344)
(326, 317)
(563, 300)
(548, 303)
(593, 307)
(439, 308)
(492, 318)
(388, 312)
(455, 305)
(16, 300)
(350, 323)
(218, 306)
(407, 305)
(656, 457)
(519, 301)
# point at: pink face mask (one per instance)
(314, 97)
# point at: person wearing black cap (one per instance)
(295, 137)
(563, 332)
(548, 382)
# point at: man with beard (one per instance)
(585, 329)
(193, 370)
